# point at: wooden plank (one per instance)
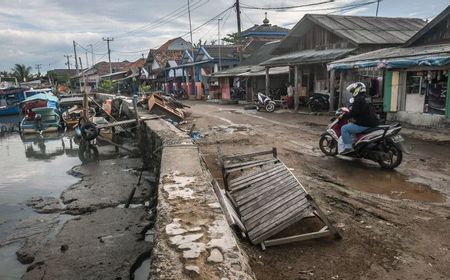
(277, 220)
(296, 238)
(235, 216)
(251, 166)
(247, 177)
(255, 239)
(283, 208)
(266, 190)
(243, 190)
(269, 205)
(254, 192)
(222, 202)
(258, 176)
(247, 155)
(115, 124)
(260, 201)
(233, 165)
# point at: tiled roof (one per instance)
(226, 51)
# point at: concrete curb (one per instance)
(192, 237)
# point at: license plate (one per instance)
(397, 138)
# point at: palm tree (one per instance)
(21, 72)
(4, 74)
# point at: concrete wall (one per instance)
(419, 119)
(192, 237)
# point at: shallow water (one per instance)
(29, 166)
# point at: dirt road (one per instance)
(395, 224)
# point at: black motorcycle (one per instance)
(318, 102)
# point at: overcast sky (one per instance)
(41, 31)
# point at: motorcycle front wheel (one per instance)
(87, 153)
(393, 158)
(328, 145)
(270, 107)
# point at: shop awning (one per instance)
(307, 57)
(272, 71)
(390, 58)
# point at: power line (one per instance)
(246, 6)
(245, 14)
(208, 21)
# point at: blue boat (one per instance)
(10, 98)
(41, 111)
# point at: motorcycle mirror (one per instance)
(351, 100)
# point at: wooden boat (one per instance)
(41, 119)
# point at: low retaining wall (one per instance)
(192, 237)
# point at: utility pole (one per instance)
(192, 44)
(81, 64)
(238, 14)
(87, 61)
(68, 61)
(218, 35)
(84, 77)
(38, 66)
(76, 57)
(107, 39)
(378, 5)
(92, 54)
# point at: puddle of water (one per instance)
(143, 271)
(356, 175)
(30, 166)
(10, 268)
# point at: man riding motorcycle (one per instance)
(363, 114)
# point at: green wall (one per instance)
(387, 91)
(447, 107)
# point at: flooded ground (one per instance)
(30, 166)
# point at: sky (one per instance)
(41, 32)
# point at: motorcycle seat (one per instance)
(380, 127)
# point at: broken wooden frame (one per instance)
(265, 198)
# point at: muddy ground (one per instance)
(394, 224)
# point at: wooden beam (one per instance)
(296, 87)
(267, 81)
(296, 238)
(341, 87)
(331, 87)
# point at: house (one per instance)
(416, 80)
(157, 59)
(256, 36)
(320, 39)
(251, 75)
(196, 70)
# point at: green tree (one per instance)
(22, 72)
(107, 86)
(5, 74)
(232, 38)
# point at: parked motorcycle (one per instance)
(318, 102)
(238, 93)
(178, 94)
(266, 102)
(382, 144)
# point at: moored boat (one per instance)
(40, 113)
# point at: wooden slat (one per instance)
(280, 227)
(276, 220)
(248, 155)
(263, 190)
(233, 165)
(258, 176)
(252, 186)
(222, 202)
(261, 201)
(248, 177)
(256, 211)
(278, 213)
(296, 238)
(251, 166)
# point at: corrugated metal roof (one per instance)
(362, 30)
(397, 52)
(307, 57)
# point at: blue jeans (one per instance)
(347, 131)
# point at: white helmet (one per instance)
(356, 88)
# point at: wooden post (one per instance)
(296, 86)
(267, 81)
(331, 87)
(135, 101)
(341, 87)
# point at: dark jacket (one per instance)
(363, 112)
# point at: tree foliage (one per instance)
(21, 72)
(232, 38)
(107, 86)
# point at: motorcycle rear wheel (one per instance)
(395, 157)
(328, 145)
